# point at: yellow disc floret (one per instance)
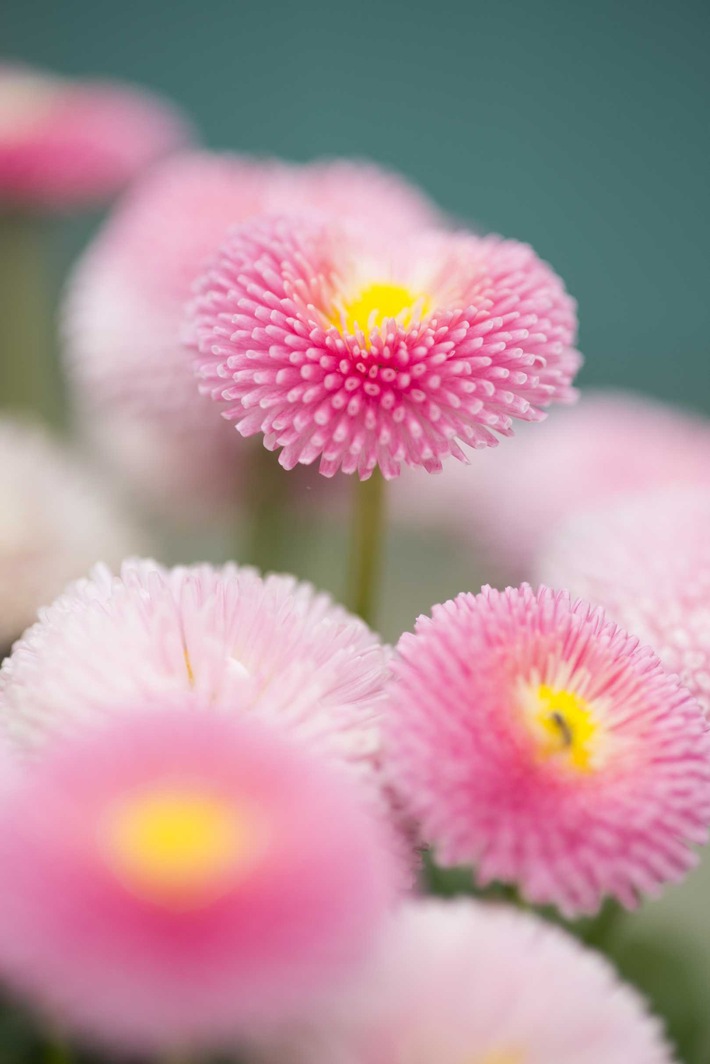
(175, 846)
(377, 303)
(565, 727)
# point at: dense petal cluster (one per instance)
(270, 647)
(536, 740)
(131, 378)
(465, 981)
(65, 144)
(178, 877)
(608, 446)
(363, 351)
(56, 521)
(646, 560)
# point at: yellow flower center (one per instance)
(176, 846)
(565, 726)
(376, 304)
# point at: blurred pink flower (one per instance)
(268, 647)
(56, 521)
(646, 560)
(180, 877)
(537, 741)
(132, 380)
(362, 350)
(66, 144)
(612, 444)
(466, 981)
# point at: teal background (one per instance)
(582, 128)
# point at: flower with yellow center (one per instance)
(176, 846)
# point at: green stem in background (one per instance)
(600, 931)
(367, 546)
(266, 539)
(57, 1052)
(28, 375)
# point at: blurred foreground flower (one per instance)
(364, 351)
(611, 444)
(646, 560)
(133, 381)
(537, 741)
(56, 521)
(269, 647)
(466, 981)
(181, 878)
(67, 144)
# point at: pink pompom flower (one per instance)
(67, 144)
(179, 877)
(646, 560)
(270, 647)
(610, 445)
(466, 981)
(534, 739)
(364, 351)
(131, 380)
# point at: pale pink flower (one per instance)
(179, 877)
(56, 521)
(535, 740)
(270, 647)
(362, 350)
(132, 380)
(67, 144)
(611, 444)
(646, 560)
(465, 981)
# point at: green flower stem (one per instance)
(57, 1051)
(367, 546)
(266, 534)
(28, 376)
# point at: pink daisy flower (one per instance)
(67, 144)
(56, 521)
(270, 647)
(646, 560)
(610, 445)
(367, 353)
(179, 877)
(133, 384)
(465, 981)
(534, 739)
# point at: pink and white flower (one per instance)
(466, 981)
(537, 741)
(365, 351)
(180, 878)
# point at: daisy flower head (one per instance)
(377, 352)
(132, 384)
(646, 560)
(66, 144)
(175, 877)
(534, 739)
(268, 647)
(467, 981)
(610, 445)
(56, 521)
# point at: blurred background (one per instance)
(582, 128)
